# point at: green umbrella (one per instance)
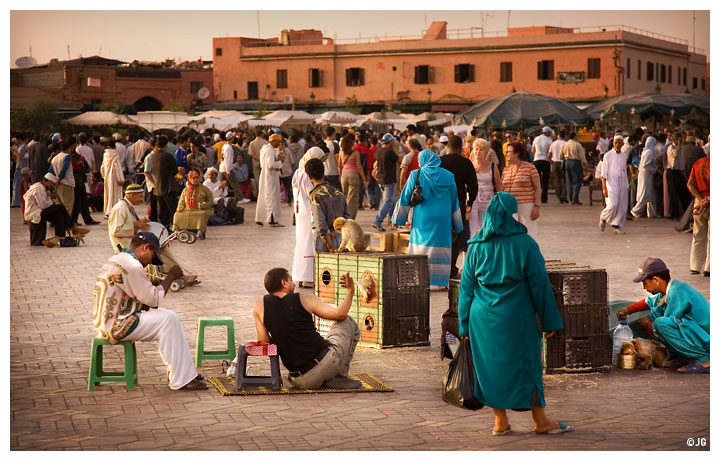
(640, 103)
(527, 109)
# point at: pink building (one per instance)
(450, 69)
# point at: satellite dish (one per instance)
(25, 62)
(203, 93)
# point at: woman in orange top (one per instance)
(521, 179)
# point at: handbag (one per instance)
(417, 196)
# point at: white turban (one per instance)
(313, 152)
(209, 170)
(619, 136)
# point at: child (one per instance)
(97, 192)
(24, 186)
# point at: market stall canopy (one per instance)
(98, 119)
(515, 109)
(284, 118)
(161, 120)
(382, 116)
(221, 120)
(640, 103)
(337, 118)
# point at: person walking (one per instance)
(435, 218)
(541, 160)
(521, 179)
(644, 202)
(353, 174)
(504, 291)
(386, 165)
(556, 166)
(615, 187)
(573, 154)
(268, 201)
(699, 186)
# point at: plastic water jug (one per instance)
(621, 334)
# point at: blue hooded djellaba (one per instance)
(435, 218)
(504, 289)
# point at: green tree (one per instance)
(174, 105)
(352, 105)
(260, 112)
(112, 106)
(39, 116)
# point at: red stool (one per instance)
(258, 348)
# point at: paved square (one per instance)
(50, 333)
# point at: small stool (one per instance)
(200, 352)
(592, 188)
(98, 375)
(258, 349)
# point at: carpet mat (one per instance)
(226, 386)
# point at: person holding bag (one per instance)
(504, 289)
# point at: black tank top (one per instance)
(293, 330)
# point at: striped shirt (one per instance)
(518, 181)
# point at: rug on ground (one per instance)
(226, 386)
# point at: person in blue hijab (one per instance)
(504, 289)
(435, 218)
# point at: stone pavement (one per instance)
(50, 332)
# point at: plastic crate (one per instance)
(395, 311)
(568, 355)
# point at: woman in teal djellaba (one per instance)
(504, 288)
(435, 218)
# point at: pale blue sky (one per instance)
(187, 35)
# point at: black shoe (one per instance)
(378, 228)
(706, 274)
(694, 272)
(92, 223)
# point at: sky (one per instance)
(187, 34)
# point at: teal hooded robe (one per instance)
(503, 290)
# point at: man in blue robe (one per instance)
(679, 317)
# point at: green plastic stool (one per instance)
(200, 352)
(97, 375)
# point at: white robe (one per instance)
(615, 173)
(112, 172)
(645, 188)
(302, 269)
(268, 202)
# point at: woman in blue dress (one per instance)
(504, 289)
(435, 218)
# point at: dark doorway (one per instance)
(252, 90)
(147, 103)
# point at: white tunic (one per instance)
(112, 172)
(615, 173)
(302, 268)
(268, 202)
(646, 175)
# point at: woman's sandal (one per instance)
(559, 430)
(499, 433)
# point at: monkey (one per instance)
(352, 235)
(627, 349)
(368, 287)
(650, 352)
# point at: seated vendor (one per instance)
(223, 203)
(679, 317)
(194, 207)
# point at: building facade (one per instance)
(446, 70)
(84, 83)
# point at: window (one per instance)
(628, 68)
(218, 51)
(650, 75)
(506, 72)
(669, 74)
(235, 94)
(281, 78)
(315, 78)
(546, 70)
(423, 75)
(354, 76)
(663, 71)
(195, 87)
(252, 89)
(593, 68)
(694, 82)
(679, 76)
(657, 71)
(684, 76)
(702, 84)
(464, 73)
(639, 69)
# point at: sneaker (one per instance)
(244, 201)
(602, 225)
(618, 231)
(378, 228)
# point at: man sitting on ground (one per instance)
(285, 318)
(679, 317)
(125, 308)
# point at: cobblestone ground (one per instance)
(50, 333)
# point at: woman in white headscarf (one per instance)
(302, 269)
(112, 173)
(645, 187)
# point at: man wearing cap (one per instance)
(679, 317)
(126, 308)
(386, 164)
(615, 187)
(268, 200)
(443, 145)
(541, 160)
(39, 208)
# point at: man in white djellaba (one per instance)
(615, 187)
(268, 202)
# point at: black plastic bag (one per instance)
(459, 381)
